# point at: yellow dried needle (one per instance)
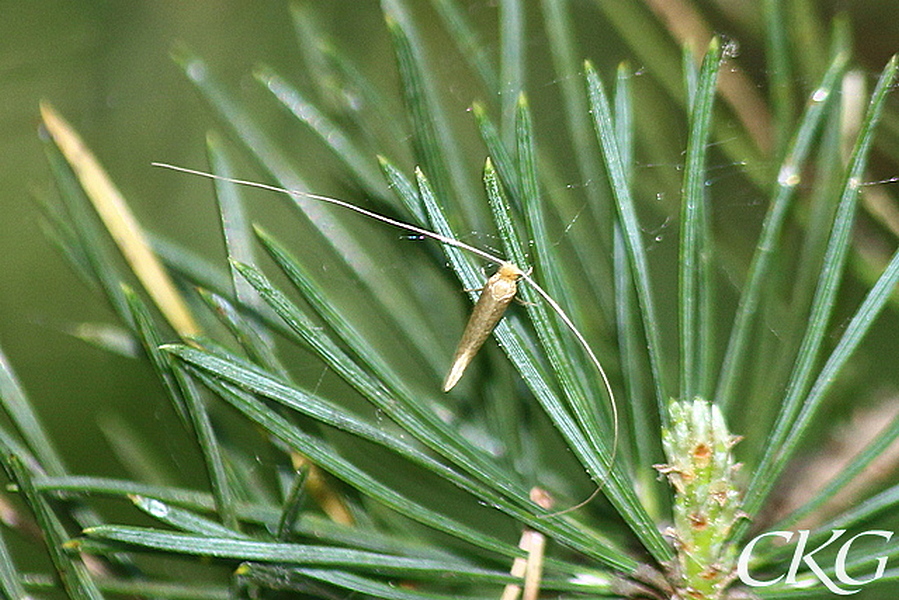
(121, 224)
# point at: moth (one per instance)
(498, 292)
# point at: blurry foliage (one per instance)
(306, 370)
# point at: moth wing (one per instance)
(489, 309)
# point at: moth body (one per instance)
(498, 292)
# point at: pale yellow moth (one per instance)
(498, 292)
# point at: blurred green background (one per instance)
(106, 67)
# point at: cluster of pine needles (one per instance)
(370, 481)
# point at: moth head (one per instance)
(508, 270)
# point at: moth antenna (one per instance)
(337, 202)
(456, 244)
(602, 374)
(580, 504)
